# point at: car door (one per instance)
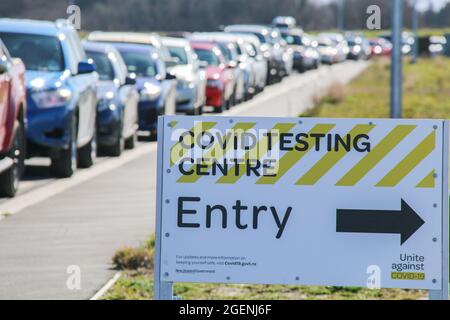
(4, 97)
(86, 87)
(128, 96)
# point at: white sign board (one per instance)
(336, 202)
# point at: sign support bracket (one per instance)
(443, 294)
(162, 290)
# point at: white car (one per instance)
(258, 62)
(191, 87)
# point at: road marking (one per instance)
(31, 198)
(107, 286)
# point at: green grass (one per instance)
(426, 92)
(136, 283)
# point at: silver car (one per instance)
(191, 86)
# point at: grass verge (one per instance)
(136, 283)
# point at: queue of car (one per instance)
(66, 99)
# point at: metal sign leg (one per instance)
(162, 290)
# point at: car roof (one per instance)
(293, 31)
(248, 28)
(175, 42)
(98, 46)
(248, 37)
(217, 36)
(134, 47)
(27, 26)
(206, 45)
(126, 37)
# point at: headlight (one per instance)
(150, 92)
(52, 98)
(356, 49)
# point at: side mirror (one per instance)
(3, 68)
(172, 62)
(170, 76)
(85, 67)
(130, 81)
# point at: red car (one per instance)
(219, 87)
(12, 122)
(380, 47)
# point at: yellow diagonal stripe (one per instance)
(412, 160)
(290, 158)
(428, 181)
(242, 126)
(330, 159)
(262, 147)
(362, 168)
(177, 151)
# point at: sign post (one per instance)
(396, 60)
(302, 201)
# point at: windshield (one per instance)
(225, 51)
(207, 56)
(39, 53)
(179, 53)
(292, 40)
(139, 63)
(103, 65)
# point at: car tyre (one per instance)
(64, 165)
(88, 153)
(9, 179)
(130, 143)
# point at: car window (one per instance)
(292, 40)
(251, 50)
(226, 51)
(207, 56)
(38, 52)
(179, 53)
(4, 53)
(139, 63)
(103, 65)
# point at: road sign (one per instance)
(302, 201)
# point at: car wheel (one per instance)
(88, 153)
(130, 143)
(9, 179)
(65, 164)
(200, 110)
(222, 107)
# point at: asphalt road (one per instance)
(55, 224)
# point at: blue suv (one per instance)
(61, 92)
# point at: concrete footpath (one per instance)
(84, 224)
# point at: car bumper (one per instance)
(49, 128)
(108, 126)
(214, 97)
(186, 98)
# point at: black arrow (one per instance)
(404, 222)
